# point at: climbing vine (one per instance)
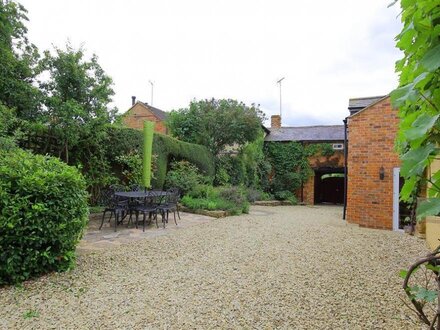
(290, 163)
(418, 99)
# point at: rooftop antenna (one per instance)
(279, 82)
(152, 87)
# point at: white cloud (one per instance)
(327, 50)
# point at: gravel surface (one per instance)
(281, 267)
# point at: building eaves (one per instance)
(321, 133)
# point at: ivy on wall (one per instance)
(290, 163)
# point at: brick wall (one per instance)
(319, 162)
(371, 135)
(138, 114)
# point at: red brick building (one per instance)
(372, 163)
(139, 112)
(320, 188)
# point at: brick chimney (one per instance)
(133, 100)
(275, 121)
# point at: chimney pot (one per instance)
(275, 121)
(133, 100)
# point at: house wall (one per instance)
(136, 116)
(371, 136)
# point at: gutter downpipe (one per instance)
(345, 168)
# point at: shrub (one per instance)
(285, 195)
(230, 199)
(254, 195)
(183, 175)
(43, 212)
(202, 191)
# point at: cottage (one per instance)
(322, 186)
(140, 111)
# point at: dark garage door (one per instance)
(329, 187)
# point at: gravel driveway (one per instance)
(278, 267)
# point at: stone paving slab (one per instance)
(106, 238)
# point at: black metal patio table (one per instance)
(141, 194)
(132, 195)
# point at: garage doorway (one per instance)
(329, 186)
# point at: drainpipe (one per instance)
(345, 167)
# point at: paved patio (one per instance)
(106, 238)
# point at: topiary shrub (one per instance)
(43, 212)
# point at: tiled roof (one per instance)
(162, 115)
(359, 103)
(307, 133)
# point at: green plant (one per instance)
(418, 100)
(29, 314)
(184, 176)
(43, 212)
(285, 195)
(216, 123)
(231, 199)
(132, 167)
(290, 165)
(202, 191)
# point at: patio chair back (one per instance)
(173, 196)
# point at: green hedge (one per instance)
(43, 212)
(165, 148)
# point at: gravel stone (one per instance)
(286, 267)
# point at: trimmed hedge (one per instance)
(166, 147)
(124, 140)
(43, 212)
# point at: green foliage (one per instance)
(418, 97)
(18, 62)
(203, 197)
(216, 123)
(290, 165)
(77, 98)
(132, 167)
(319, 149)
(9, 128)
(183, 175)
(166, 148)
(249, 167)
(43, 211)
(285, 195)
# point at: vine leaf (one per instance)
(430, 206)
(421, 126)
(415, 160)
(431, 60)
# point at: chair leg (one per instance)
(116, 220)
(111, 214)
(102, 221)
(178, 214)
(157, 225)
(145, 220)
(175, 221)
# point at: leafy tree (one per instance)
(18, 62)
(216, 123)
(418, 98)
(77, 97)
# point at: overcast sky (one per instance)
(328, 51)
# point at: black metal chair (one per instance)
(148, 207)
(115, 205)
(171, 204)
